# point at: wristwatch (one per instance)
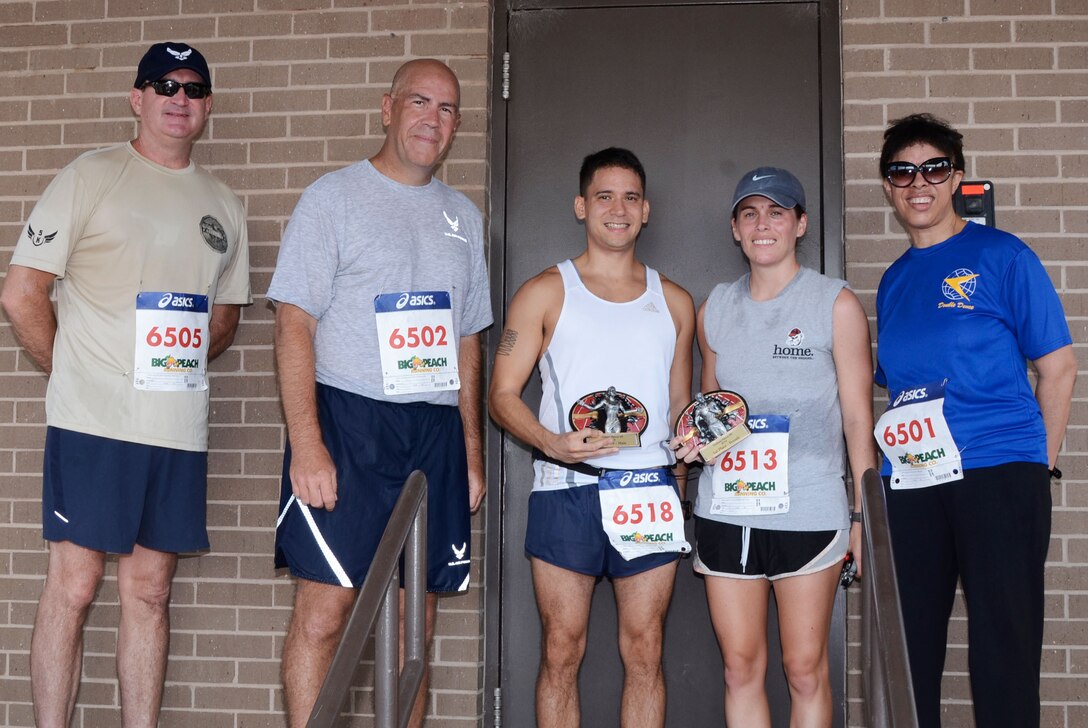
(855, 517)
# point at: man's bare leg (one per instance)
(641, 603)
(56, 647)
(143, 638)
(563, 598)
(320, 614)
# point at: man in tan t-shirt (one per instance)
(148, 254)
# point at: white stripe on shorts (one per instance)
(330, 557)
(745, 542)
(284, 511)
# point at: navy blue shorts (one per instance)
(376, 445)
(564, 529)
(109, 495)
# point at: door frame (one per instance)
(832, 261)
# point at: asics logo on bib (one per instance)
(909, 395)
(630, 478)
(410, 300)
(759, 423)
(169, 299)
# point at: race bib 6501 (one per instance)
(915, 438)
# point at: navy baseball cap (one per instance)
(777, 185)
(162, 58)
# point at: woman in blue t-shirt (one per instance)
(969, 448)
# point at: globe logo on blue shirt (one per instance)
(960, 285)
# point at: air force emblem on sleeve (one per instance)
(40, 237)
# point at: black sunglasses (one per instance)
(934, 171)
(170, 88)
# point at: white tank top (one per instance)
(599, 344)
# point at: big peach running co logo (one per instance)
(921, 459)
(422, 366)
(639, 537)
(749, 487)
(172, 364)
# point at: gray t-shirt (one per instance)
(356, 234)
(778, 355)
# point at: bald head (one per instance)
(420, 114)
(421, 67)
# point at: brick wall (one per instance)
(298, 84)
(1012, 75)
(297, 87)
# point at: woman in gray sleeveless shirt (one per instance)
(773, 509)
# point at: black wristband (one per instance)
(1055, 474)
(855, 517)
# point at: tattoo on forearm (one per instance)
(506, 343)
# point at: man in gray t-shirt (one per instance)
(381, 293)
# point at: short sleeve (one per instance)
(477, 313)
(1033, 309)
(308, 258)
(233, 287)
(55, 225)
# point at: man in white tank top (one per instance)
(604, 300)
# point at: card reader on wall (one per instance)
(974, 201)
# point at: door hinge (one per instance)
(498, 707)
(506, 75)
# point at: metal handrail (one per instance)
(392, 707)
(889, 693)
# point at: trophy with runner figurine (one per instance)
(617, 415)
(713, 422)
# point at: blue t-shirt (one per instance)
(971, 310)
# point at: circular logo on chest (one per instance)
(214, 234)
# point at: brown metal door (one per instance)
(701, 93)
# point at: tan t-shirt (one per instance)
(111, 225)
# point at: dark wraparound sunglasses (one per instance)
(170, 88)
(934, 171)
